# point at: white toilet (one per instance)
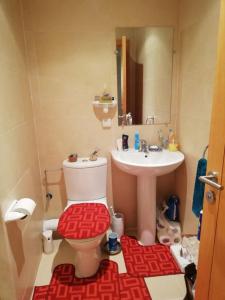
(86, 218)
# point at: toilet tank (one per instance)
(85, 179)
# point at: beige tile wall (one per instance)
(70, 47)
(198, 44)
(20, 247)
(71, 57)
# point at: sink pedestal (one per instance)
(147, 168)
(146, 209)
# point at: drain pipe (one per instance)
(50, 224)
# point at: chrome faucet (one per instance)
(143, 146)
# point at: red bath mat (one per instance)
(107, 284)
(133, 288)
(146, 261)
(40, 292)
(103, 285)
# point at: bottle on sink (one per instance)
(125, 146)
(136, 140)
(171, 139)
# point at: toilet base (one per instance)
(88, 256)
(87, 262)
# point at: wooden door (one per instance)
(124, 75)
(211, 269)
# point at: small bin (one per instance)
(47, 241)
(118, 224)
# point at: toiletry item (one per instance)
(119, 144)
(165, 143)
(113, 241)
(171, 140)
(136, 140)
(160, 135)
(125, 142)
(94, 155)
(106, 97)
(172, 213)
(171, 136)
(173, 147)
(154, 148)
(72, 157)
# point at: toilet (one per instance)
(86, 219)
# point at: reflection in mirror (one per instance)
(144, 74)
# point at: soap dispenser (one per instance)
(136, 140)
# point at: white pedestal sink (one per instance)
(147, 167)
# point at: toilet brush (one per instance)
(112, 211)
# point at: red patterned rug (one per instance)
(147, 261)
(107, 284)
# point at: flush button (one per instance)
(210, 196)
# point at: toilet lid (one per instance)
(83, 221)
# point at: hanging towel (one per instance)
(198, 196)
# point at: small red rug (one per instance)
(147, 261)
(40, 292)
(107, 284)
(133, 288)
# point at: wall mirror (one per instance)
(144, 74)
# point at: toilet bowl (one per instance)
(86, 219)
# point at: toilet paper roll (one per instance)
(163, 237)
(25, 206)
(176, 239)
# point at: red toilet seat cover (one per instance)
(83, 221)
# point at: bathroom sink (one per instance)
(147, 167)
(153, 163)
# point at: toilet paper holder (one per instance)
(12, 215)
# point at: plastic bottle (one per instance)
(136, 140)
(171, 137)
(160, 135)
(125, 142)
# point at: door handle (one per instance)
(212, 180)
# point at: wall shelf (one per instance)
(104, 106)
(105, 111)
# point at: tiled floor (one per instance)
(161, 288)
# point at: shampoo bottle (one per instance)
(125, 142)
(171, 139)
(136, 140)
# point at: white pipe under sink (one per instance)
(50, 224)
